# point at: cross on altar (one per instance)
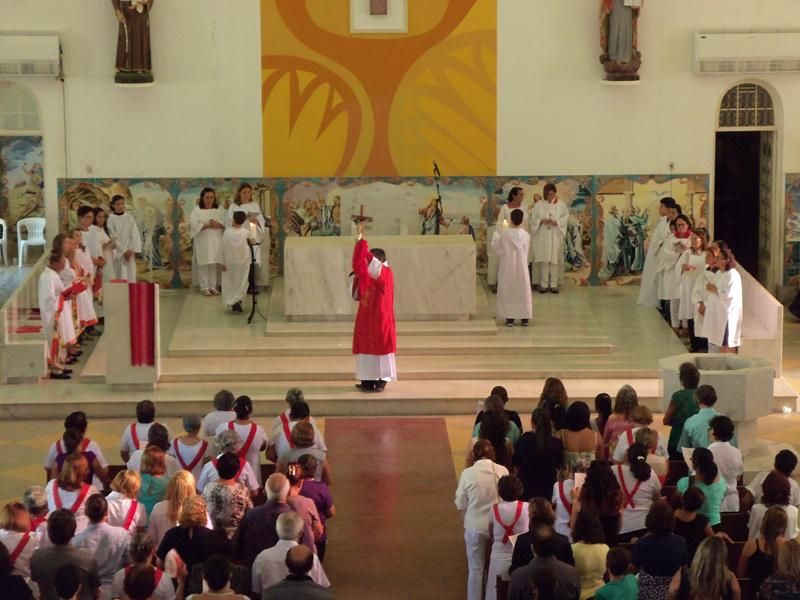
(361, 217)
(378, 7)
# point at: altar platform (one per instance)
(595, 339)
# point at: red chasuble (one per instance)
(375, 329)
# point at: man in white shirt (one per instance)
(475, 496)
(269, 567)
(108, 545)
(785, 462)
(728, 459)
(223, 413)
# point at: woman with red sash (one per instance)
(70, 490)
(142, 551)
(16, 536)
(228, 441)
(124, 509)
(640, 488)
(509, 519)
(190, 450)
(253, 436)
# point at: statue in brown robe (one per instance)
(133, 41)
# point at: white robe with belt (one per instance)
(514, 299)
(84, 301)
(648, 290)
(126, 235)
(548, 240)
(235, 256)
(50, 289)
(66, 323)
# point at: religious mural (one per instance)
(337, 103)
(611, 217)
(21, 182)
(791, 270)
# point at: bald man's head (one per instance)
(299, 560)
(277, 487)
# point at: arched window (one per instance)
(18, 109)
(746, 105)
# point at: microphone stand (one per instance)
(439, 210)
(252, 281)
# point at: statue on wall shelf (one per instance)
(621, 58)
(133, 41)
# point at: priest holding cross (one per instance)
(374, 335)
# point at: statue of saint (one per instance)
(133, 41)
(618, 39)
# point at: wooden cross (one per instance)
(361, 217)
(378, 7)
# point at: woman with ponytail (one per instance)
(254, 439)
(640, 488)
(710, 483)
(538, 456)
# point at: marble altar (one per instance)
(434, 277)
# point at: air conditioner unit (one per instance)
(30, 54)
(746, 52)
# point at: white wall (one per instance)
(556, 116)
(202, 118)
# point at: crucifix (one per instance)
(361, 217)
(378, 7)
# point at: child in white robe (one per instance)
(50, 289)
(243, 201)
(693, 263)
(125, 234)
(235, 262)
(85, 270)
(675, 245)
(700, 298)
(514, 299)
(723, 319)
(548, 228)
(64, 246)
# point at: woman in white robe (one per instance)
(85, 270)
(648, 288)
(206, 226)
(100, 244)
(693, 263)
(235, 256)
(723, 318)
(128, 240)
(514, 299)
(675, 245)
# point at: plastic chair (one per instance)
(34, 226)
(4, 241)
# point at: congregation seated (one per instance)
(624, 402)
(227, 499)
(567, 583)
(17, 537)
(590, 550)
(777, 493)
(785, 582)
(602, 406)
(689, 523)
(319, 493)
(45, 562)
(759, 554)
(581, 443)
(158, 436)
(642, 417)
(35, 501)
(74, 440)
(298, 583)
(106, 543)
(300, 504)
(124, 509)
(303, 441)
(508, 518)
(189, 449)
(188, 539)
(254, 439)
(70, 490)
(682, 405)
(141, 552)
(785, 463)
(640, 489)
(708, 577)
(555, 400)
(154, 478)
(167, 513)
(538, 456)
(659, 554)
(228, 441)
(257, 529)
(621, 585)
(707, 479)
(728, 459)
(540, 512)
(497, 430)
(512, 415)
(238, 577)
(269, 567)
(223, 412)
(135, 434)
(601, 494)
(280, 442)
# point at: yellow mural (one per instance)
(342, 104)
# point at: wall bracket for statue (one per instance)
(621, 58)
(133, 61)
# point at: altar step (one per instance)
(326, 398)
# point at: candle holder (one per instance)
(252, 282)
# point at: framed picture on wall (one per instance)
(378, 16)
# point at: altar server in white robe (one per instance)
(243, 200)
(512, 244)
(671, 254)
(723, 318)
(127, 238)
(700, 298)
(63, 244)
(50, 289)
(235, 262)
(515, 197)
(206, 225)
(100, 245)
(87, 318)
(548, 227)
(648, 288)
(693, 263)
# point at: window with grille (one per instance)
(747, 105)
(18, 111)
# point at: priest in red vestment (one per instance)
(374, 337)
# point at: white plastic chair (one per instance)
(4, 241)
(34, 226)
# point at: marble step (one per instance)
(508, 343)
(487, 366)
(326, 398)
